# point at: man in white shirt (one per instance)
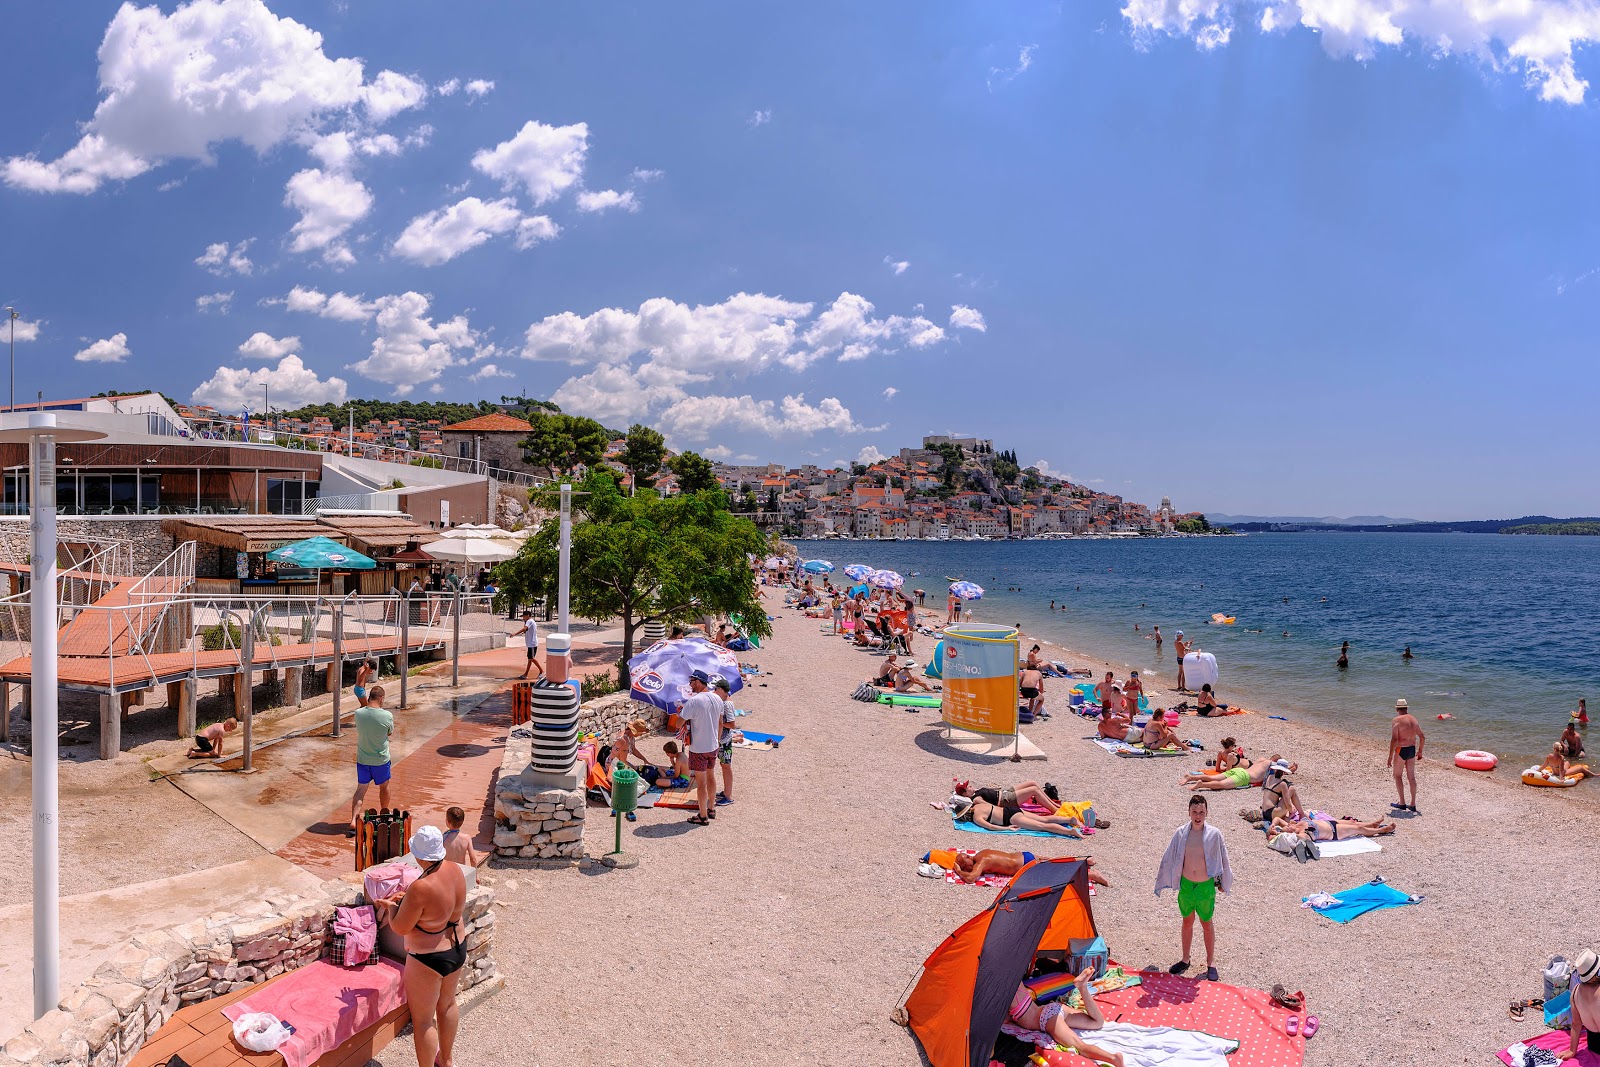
(530, 636)
(702, 721)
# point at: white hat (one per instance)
(1586, 966)
(1281, 766)
(1401, 705)
(427, 845)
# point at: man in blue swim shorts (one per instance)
(373, 727)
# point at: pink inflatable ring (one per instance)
(1473, 760)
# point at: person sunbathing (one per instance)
(1240, 777)
(1279, 798)
(1320, 826)
(995, 861)
(1556, 763)
(905, 681)
(1043, 796)
(1012, 817)
(1054, 1019)
(1206, 705)
(1117, 728)
(1158, 735)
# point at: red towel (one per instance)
(326, 1004)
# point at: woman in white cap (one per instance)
(428, 916)
(1585, 1003)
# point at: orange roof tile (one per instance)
(495, 423)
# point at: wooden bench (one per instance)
(203, 1037)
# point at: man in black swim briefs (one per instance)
(1405, 748)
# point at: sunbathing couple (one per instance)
(1233, 770)
(1557, 762)
(1003, 815)
(900, 675)
(1153, 735)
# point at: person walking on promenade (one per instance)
(1196, 865)
(1180, 647)
(1405, 748)
(530, 637)
(719, 688)
(374, 725)
(702, 719)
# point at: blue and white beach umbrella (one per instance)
(817, 566)
(660, 674)
(886, 580)
(858, 571)
(966, 590)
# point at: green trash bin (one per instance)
(624, 790)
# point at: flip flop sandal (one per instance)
(1292, 1001)
(1102, 824)
(699, 820)
(1312, 1025)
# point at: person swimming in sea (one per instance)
(1344, 655)
(1407, 653)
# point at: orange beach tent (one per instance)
(967, 984)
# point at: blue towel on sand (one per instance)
(751, 735)
(1373, 896)
(975, 828)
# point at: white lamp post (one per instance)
(41, 436)
(564, 574)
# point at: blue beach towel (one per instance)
(1373, 896)
(751, 735)
(973, 827)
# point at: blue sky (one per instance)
(1272, 257)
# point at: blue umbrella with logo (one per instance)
(858, 571)
(321, 554)
(660, 673)
(817, 566)
(967, 590)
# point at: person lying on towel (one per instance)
(1042, 796)
(1063, 1025)
(1117, 728)
(1244, 776)
(1158, 735)
(1320, 826)
(1000, 817)
(994, 861)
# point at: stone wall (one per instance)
(150, 545)
(534, 821)
(107, 1019)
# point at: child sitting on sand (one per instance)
(1054, 1019)
(672, 774)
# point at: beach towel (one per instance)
(359, 928)
(1555, 1041)
(1373, 896)
(326, 1004)
(675, 798)
(972, 827)
(910, 700)
(1146, 1046)
(1353, 846)
(1247, 1016)
(1047, 987)
(1127, 751)
(753, 739)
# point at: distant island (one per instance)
(1527, 524)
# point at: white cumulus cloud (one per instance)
(221, 259)
(700, 417)
(218, 302)
(606, 199)
(546, 161)
(870, 455)
(889, 393)
(262, 345)
(20, 330)
(848, 329)
(899, 266)
(113, 349)
(291, 384)
(172, 86)
(411, 348)
(479, 87)
(329, 204)
(965, 318)
(535, 228)
(487, 371)
(448, 88)
(440, 236)
(1534, 38)
(341, 306)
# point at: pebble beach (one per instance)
(787, 931)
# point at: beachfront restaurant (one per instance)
(231, 553)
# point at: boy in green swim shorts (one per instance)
(1196, 865)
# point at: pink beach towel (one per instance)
(1556, 1041)
(326, 1004)
(359, 927)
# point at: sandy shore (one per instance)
(786, 931)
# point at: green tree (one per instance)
(642, 455)
(772, 501)
(565, 442)
(1198, 524)
(643, 558)
(693, 472)
(950, 465)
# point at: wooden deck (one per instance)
(202, 1035)
(104, 674)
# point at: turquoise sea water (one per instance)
(1504, 629)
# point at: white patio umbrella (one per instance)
(470, 549)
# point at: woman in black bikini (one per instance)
(428, 916)
(1010, 816)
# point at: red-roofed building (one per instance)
(495, 439)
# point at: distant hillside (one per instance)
(1307, 520)
(1572, 528)
(1528, 524)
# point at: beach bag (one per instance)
(1557, 977)
(865, 692)
(1087, 952)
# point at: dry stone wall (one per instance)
(534, 822)
(108, 1018)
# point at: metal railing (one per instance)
(383, 500)
(338, 443)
